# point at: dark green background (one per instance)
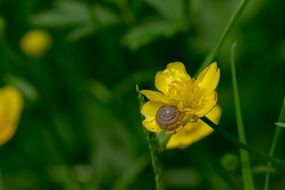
(83, 131)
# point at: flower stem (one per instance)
(155, 155)
(154, 149)
(274, 143)
(213, 51)
(245, 161)
(241, 145)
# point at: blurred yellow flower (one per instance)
(182, 100)
(35, 43)
(11, 105)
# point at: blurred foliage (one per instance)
(81, 126)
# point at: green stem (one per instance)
(245, 161)
(241, 145)
(155, 161)
(274, 143)
(213, 51)
(154, 149)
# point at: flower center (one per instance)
(167, 117)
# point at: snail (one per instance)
(167, 117)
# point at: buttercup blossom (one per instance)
(35, 43)
(199, 130)
(11, 105)
(180, 102)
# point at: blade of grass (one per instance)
(154, 149)
(213, 51)
(245, 161)
(274, 142)
(241, 145)
(280, 124)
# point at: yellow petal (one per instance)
(7, 134)
(173, 72)
(193, 132)
(149, 110)
(206, 105)
(209, 78)
(11, 104)
(155, 96)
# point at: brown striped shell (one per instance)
(167, 116)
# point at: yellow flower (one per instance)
(182, 100)
(35, 42)
(11, 105)
(199, 130)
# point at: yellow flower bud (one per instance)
(35, 43)
(11, 105)
(230, 162)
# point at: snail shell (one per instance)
(167, 116)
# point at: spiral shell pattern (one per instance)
(167, 116)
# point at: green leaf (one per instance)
(280, 124)
(170, 9)
(65, 14)
(104, 16)
(28, 90)
(76, 14)
(71, 13)
(81, 31)
(148, 32)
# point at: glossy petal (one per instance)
(209, 78)
(149, 110)
(173, 72)
(155, 96)
(193, 132)
(194, 98)
(206, 105)
(11, 104)
(6, 134)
